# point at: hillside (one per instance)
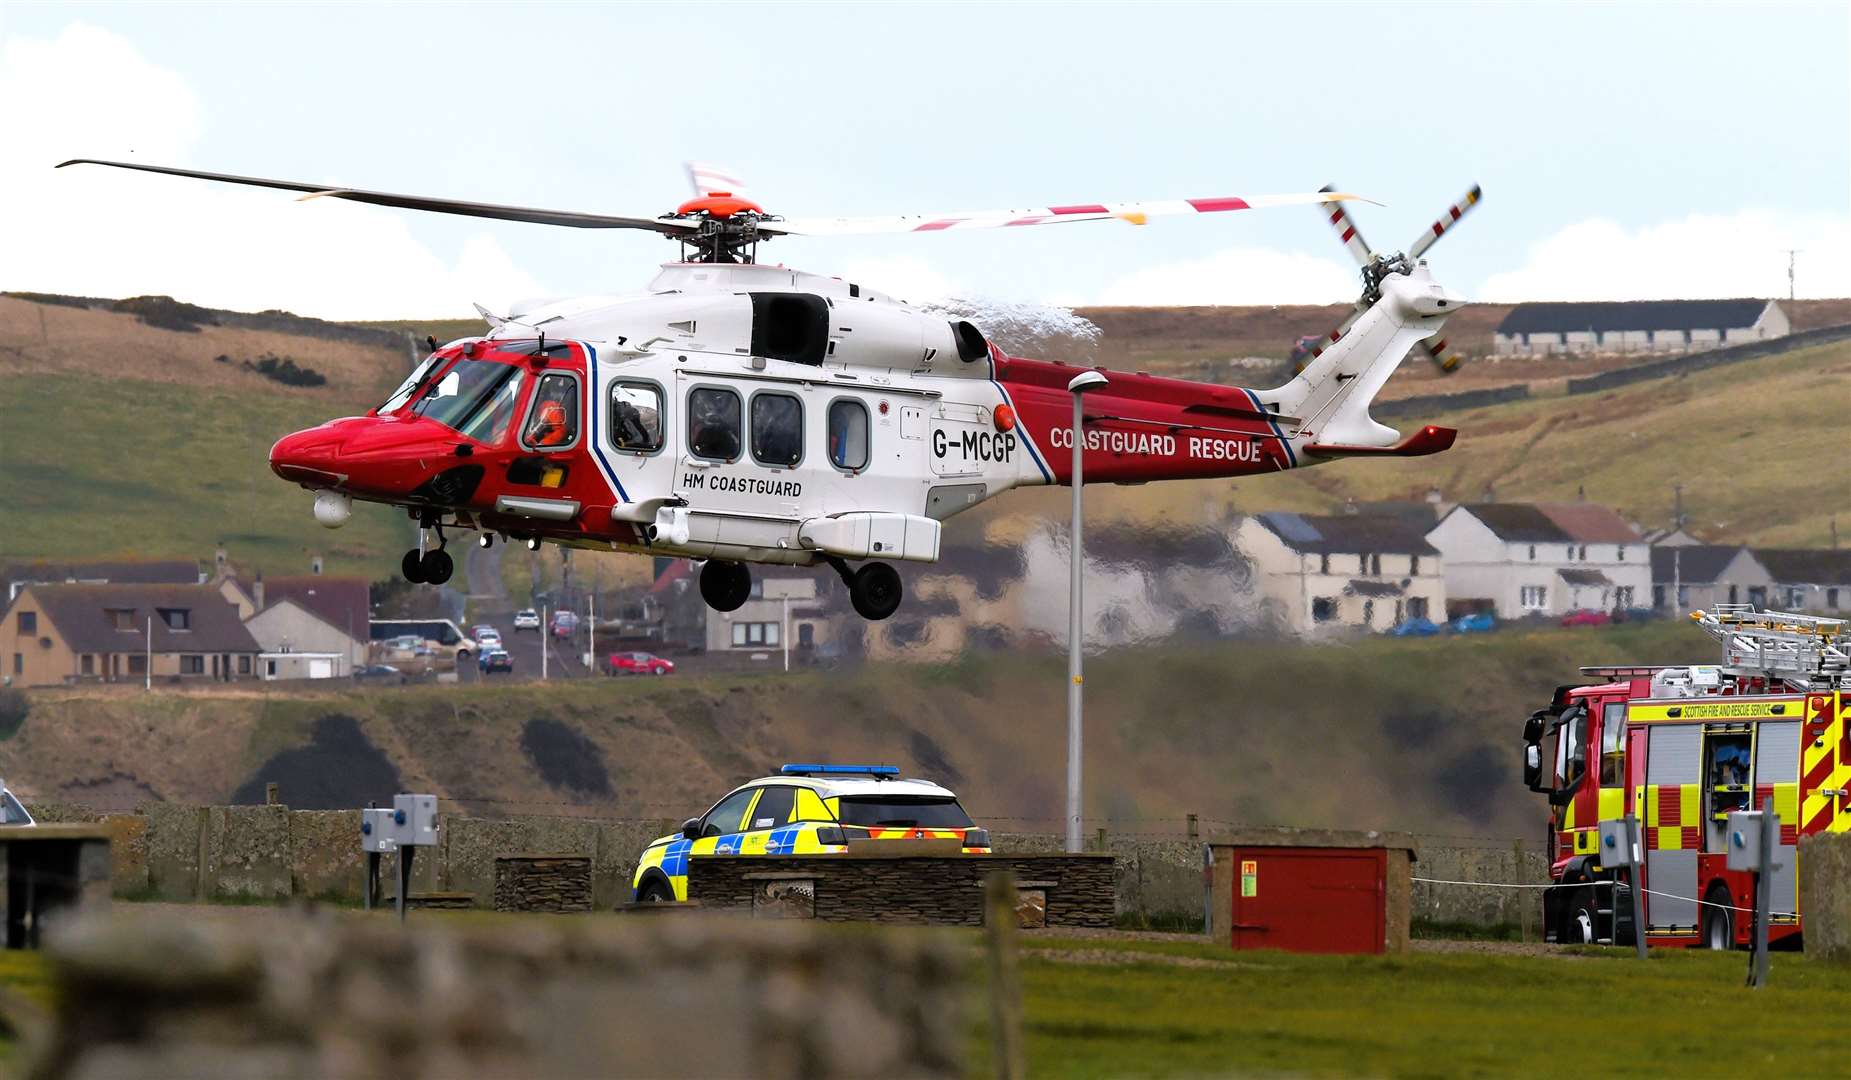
(1420, 734)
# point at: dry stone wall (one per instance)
(280, 994)
(939, 890)
(554, 883)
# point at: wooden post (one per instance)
(1523, 898)
(271, 797)
(999, 929)
(1102, 844)
(1192, 828)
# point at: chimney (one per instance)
(257, 591)
(219, 559)
(315, 565)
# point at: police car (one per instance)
(807, 810)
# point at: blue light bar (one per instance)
(840, 770)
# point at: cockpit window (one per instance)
(403, 393)
(476, 397)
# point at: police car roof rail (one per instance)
(1805, 650)
(878, 772)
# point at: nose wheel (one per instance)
(432, 567)
(725, 585)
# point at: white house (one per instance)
(1320, 575)
(1519, 559)
(1637, 326)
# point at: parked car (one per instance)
(565, 624)
(493, 660)
(380, 673)
(482, 629)
(1636, 614)
(807, 809)
(526, 619)
(1586, 617)
(1480, 622)
(640, 663)
(1416, 627)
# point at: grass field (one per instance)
(1117, 1008)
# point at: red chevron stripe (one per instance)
(1438, 228)
(1813, 779)
(1089, 208)
(1209, 206)
(1689, 838)
(1456, 215)
(933, 226)
(1347, 233)
(1667, 807)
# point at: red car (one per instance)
(640, 663)
(1586, 617)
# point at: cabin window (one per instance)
(1613, 745)
(713, 423)
(729, 815)
(773, 808)
(777, 430)
(848, 434)
(476, 398)
(636, 417)
(552, 419)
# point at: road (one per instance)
(489, 604)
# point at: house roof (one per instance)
(342, 602)
(1584, 577)
(1554, 523)
(1591, 523)
(1393, 534)
(126, 572)
(80, 614)
(1806, 566)
(1692, 564)
(1632, 315)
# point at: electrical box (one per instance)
(1744, 841)
(416, 818)
(1614, 843)
(378, 833)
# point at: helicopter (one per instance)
(736, 412)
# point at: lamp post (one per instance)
(1076, 627)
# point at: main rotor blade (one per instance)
(1134, 212)
(1340, 220)
(570, 218)
(1446, 221)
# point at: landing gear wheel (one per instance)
(412, 566)
(875, 591)
(725, 585)
(1718, 925)
(436, 567)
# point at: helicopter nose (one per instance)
(307, 457)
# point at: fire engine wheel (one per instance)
(412, 567)
(725, 585)
(875, 591)
(1583, 910)
(1718, 921)
(436, 567)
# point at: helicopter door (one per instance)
(743, 458)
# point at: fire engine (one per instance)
(1679, 748)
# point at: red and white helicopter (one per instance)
(741, 413)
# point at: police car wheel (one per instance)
(654, 892)
(725, 586)
(875, 591)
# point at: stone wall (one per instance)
(1825, 894)
(940, 890)
(278, 993)
(554, 883)
(189, 853)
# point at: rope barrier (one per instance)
(1608, 884)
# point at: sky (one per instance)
(1626, 150)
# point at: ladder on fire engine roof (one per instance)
(1806, 651)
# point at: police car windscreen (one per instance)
(916, 811)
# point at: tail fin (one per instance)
(1334, 392)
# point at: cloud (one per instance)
(1698, 257)
(903, 277)
(101, 232)
(1242, 275)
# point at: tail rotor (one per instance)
(1376, 266)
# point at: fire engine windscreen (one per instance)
(906, 811)
(476, 397)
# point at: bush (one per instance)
(166, 313)
(286, 371)
(14, 705)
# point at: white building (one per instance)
(1518, 559)
(782, 602)
(1637, 326)
(1320, 575)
